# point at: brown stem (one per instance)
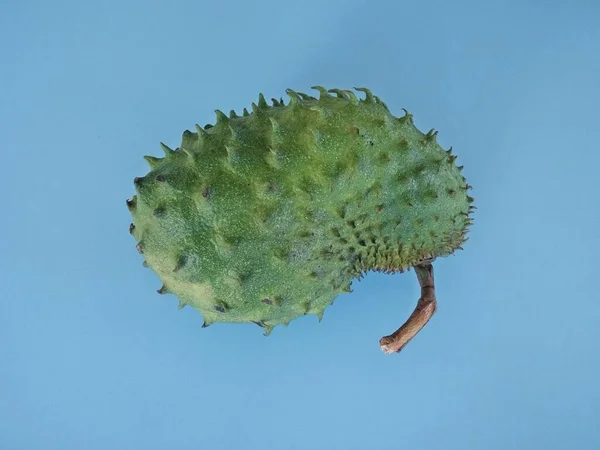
(426, 306)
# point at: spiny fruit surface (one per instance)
(269, 216)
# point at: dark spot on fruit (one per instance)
(160, 178)
(206, 192)
(180, 264)
(220, 309)
(259, 323)
(245, 276)
(327, 253)
(268, 301)
(280, 253)
(131, 228)
(403, 178)
(158, 212)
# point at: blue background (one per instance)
(92, 358)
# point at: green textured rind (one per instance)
(270, 216)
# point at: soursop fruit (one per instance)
(269, 216)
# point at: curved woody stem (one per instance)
(425, 308)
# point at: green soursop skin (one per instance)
(269, 216)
